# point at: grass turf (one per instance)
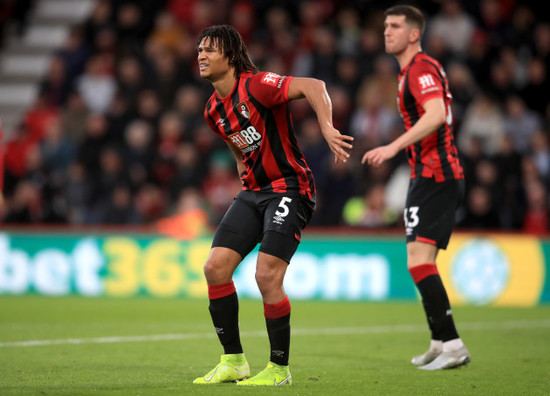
(146, 346)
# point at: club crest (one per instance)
(243, 109)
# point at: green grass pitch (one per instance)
(146, 346)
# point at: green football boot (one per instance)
(231, 368)
(272, 375)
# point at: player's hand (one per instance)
(338, 143)
(377, 156)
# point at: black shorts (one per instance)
(275, 220)
(430, 210)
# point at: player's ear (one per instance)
(414, 35)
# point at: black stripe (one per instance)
(409, 103)
(208, 111)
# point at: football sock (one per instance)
(452, 345)
(436, 344)
(224, 310)
(435, 301)
(277, 320)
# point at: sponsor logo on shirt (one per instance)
(427, 83)
(247, 140)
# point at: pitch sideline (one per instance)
(405, 328)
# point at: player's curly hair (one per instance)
(230, 42)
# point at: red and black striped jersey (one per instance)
(256, 119)
(436, 155)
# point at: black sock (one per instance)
(437, 308)
(225, 316)
(278, 331)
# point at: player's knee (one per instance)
(214, 272)
(420, 253)
(263, 280)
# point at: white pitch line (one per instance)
(406, 328)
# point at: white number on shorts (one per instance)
(283, 206)
(411, 217)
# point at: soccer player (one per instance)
(437, 178)
(249, 111)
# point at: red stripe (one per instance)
(275, 311)
(425, 240)
(420, 272)
(219, 291)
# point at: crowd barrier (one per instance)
(477, 268)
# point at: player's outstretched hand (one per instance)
(338, 143)
(378, 155)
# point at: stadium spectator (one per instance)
(38, 118)
(373, 122)
(453, 26)
(336, 188)
(55, 87)
(483, 120)
(75, 53)
(536, 88)
(480, 211)
(138, 153)
(520, 122)
(96, 86)
(100, 17)
(370, 210)
(189, 171)
(540, 151)
(73, 117)
(57, 150)
(77, 191)
(537, 215)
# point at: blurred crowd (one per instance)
(117, 135)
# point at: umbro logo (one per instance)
(221, 121)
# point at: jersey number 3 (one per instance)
(410, 216)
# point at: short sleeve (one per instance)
(269, 88)
(425, 82)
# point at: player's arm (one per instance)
(315, 92)
(430, 122)
(238, 157)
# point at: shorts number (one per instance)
(283, 206)
(411, 217)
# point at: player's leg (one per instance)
(234, 239)
(224, 311)
(446, 348)
(285, 218)
(430, 210)
(270, 273)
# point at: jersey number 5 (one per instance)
(284, 209)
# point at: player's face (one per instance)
(212, 62)
(396, 34)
